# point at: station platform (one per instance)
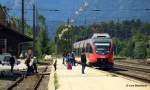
(94, 79)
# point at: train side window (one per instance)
(78, 51)
(89, 48)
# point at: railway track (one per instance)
(134, 70)
(134, 74)
(29, 82)
(130, 70)
(146, 70)
(137, 62)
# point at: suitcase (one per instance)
(69, 66)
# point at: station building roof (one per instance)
(11, 34)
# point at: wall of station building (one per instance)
(14, 48)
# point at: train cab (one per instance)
(99, 50)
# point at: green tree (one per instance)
(42, 40)
(16, 23)
(128, 48)
(127, 36)
(140, 51)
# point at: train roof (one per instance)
(97, 37)
(100, 35)
(102, 40)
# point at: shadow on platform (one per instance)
(7, 75)
(111, 70)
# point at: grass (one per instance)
(2, 84)
(56, 81)
(113, 75)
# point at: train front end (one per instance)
(102, 55)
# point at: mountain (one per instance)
(116, 10)
(52, 28)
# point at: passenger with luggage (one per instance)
(69, 62)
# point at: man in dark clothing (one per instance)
(73, 58)
(55, 64)
(12, 62)
(27, 62)
(83, 60)
(64, 55)
(35, 64)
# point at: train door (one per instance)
(89, 52)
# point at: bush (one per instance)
(140, 51)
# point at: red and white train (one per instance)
(99, 50)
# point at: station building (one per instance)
(11, 40)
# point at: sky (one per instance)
(76, 10)
(66, 8)
(81, 12)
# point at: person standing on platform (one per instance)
(73, 58)
(69, 62)
(35, 64)
(28, 64)
(12, 62)
(55, 64)
(64, 57)
(83, 61)
(69, 58)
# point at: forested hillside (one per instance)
(131, 38)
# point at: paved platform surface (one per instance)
(94, 80)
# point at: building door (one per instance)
(3, 45)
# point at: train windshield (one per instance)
(102, 48)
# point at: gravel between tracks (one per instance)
(29, 82)
(45, 80)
